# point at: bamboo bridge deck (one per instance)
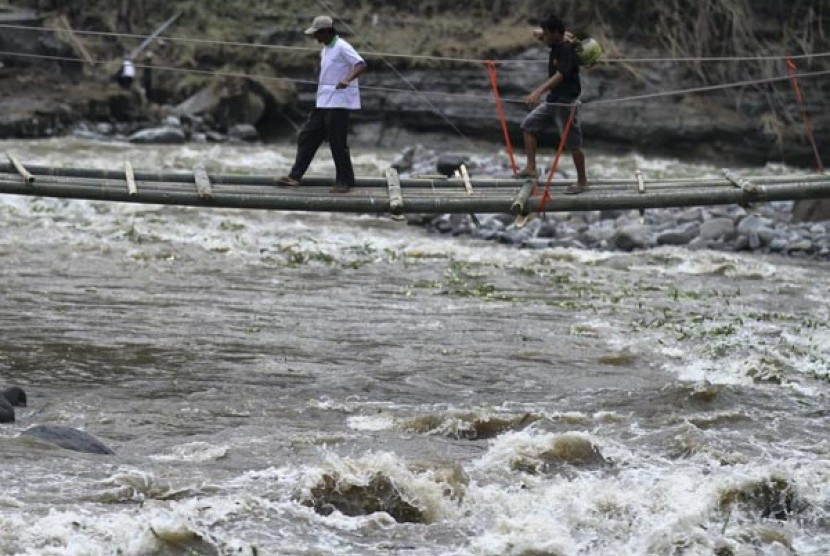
(398, 196)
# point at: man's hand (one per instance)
(534, 98)
(342, 84)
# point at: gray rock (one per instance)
(448, 163)
(243, 132)
(547, 229)
(676, 236)
(778, 244)
(741, 243)
(715, 228)
(818, 230)
(68, 438)
(630, 237)
(6, 411)
(15, 396)
(536, 243)
(159, 135)
(803, 244)
(753, 223)
(404, 160)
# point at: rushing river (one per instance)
(269, 380)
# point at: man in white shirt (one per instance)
(337, 95)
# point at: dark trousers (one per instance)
(331, 124)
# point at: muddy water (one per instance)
(269, 381)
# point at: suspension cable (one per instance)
(423, 57)
(465, 96)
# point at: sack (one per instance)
(588, 50)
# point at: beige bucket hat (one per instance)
(320, 22)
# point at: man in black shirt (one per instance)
(563, 88)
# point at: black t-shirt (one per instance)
(564, 60)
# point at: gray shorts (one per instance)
(547, 116)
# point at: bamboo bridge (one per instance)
(398, 196)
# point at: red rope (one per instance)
(494, 82)
(555, 165)
(807, 125)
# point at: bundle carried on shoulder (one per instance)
(588, 50)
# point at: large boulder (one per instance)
(232, 102)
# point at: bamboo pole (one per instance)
(520, 200)
(27, 176)
(395, 196)
(406, 183)
(366, 201)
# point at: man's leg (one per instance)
(531, 144)
(534, 123)
(579, 163)
(338, 131)
(309, 140)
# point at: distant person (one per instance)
(563, 88)
(337, 95)
(126, 73)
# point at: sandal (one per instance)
(288, 181)
(576, 189)
(525, 174)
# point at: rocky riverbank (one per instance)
(767, 228)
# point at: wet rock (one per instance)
(778, 244)
(547, 228)
(379, 494)
(717, 228)
(448, 163)
(15, 395)
(6, 411)
(173, 540)
(753, 224)
(676, 236)
(159, 135)
(630, 237)
(404, 161)
(802, 244)
(774, 497)
(215, 137)
(243, 132)
(567, 451)
(68, 438)
(536, 243)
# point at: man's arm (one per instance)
(535, 97)
(353, 73)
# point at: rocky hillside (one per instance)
(271, 87)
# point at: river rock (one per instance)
(717, 228)
(166, 135)
(6, 411)
(68, 438)
(243, 132)
(678, 236)
(448, 163)
(15, 395)
(630, 237)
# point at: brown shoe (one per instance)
(287, 181)
(576, 188)
(340, 188)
